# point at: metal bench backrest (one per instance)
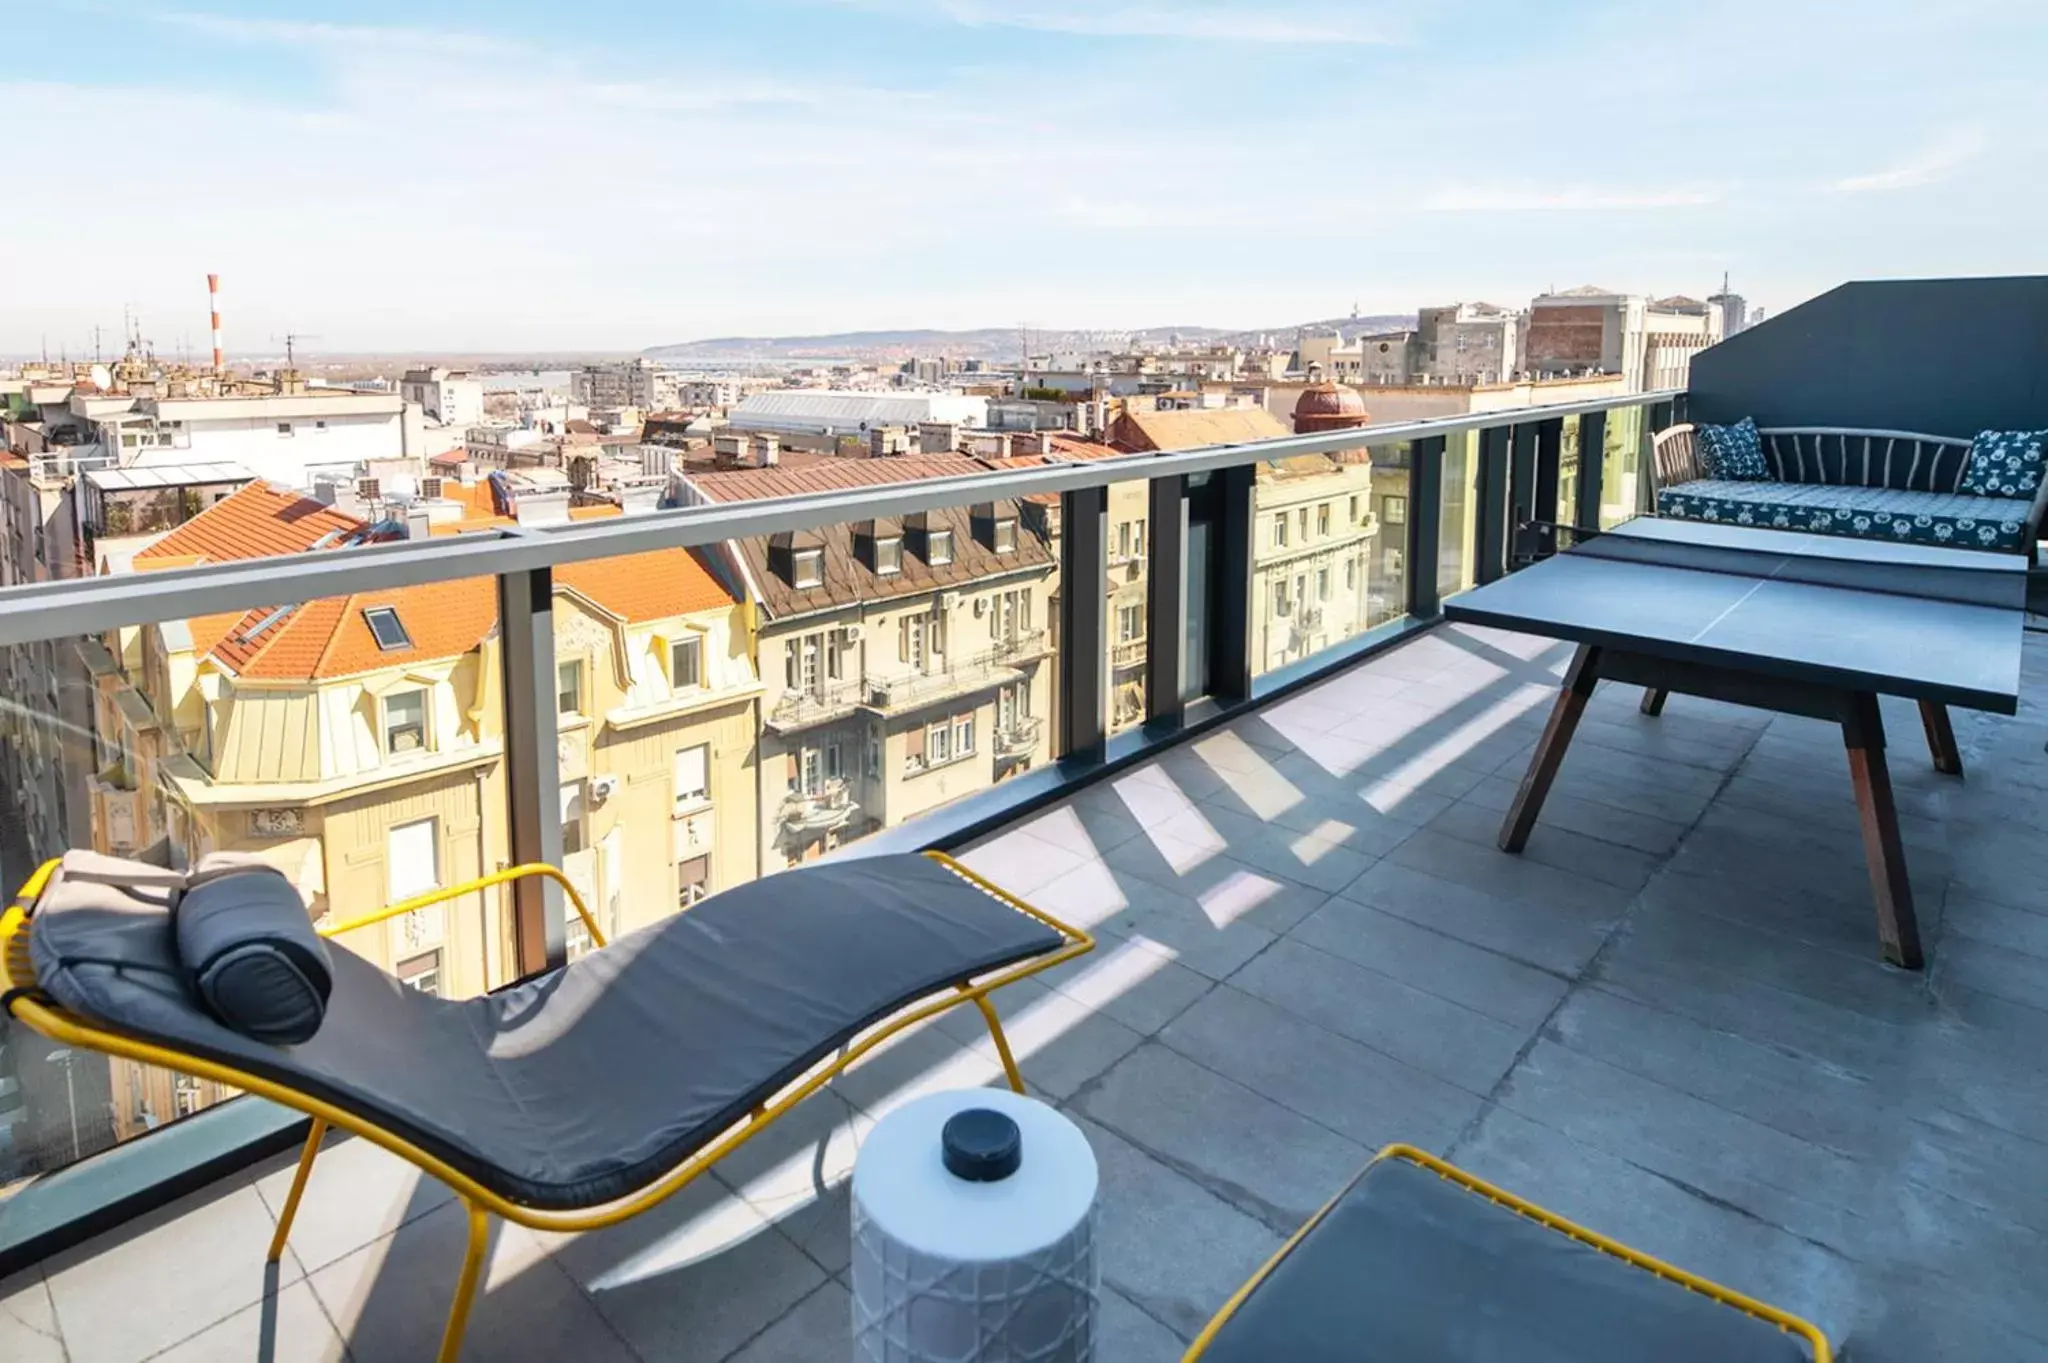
(1835, 455)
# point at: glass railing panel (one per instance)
(1124, 616)
(1329, 550)
(354, 743)
(1458, 516)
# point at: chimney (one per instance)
(938, 437)
(418, 522)
(213, 303)
(729, 448)
(766, 450)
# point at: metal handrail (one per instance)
(54, 610)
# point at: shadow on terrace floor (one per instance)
(1667, 1019)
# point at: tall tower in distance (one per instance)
(1733, 308)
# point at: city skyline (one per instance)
(459, 177)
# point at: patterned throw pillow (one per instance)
(1733, 452)
(2005, 464)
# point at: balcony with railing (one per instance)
(808, 813)
(1665, 1019)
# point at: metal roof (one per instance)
(168, 475)
(829, 410)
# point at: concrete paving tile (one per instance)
(1088, 830)
(1266, 1160)
(1619, 1197)
(390, 1299)
(818, 1328)
(2001, 971)
(1126, 1334)
(1487, 868)
(696, 1277)
(1167, 1244)
(1358, 1092)
(1779, 1179)
(1550, 938)
(1212, 920)
(358, 1192)
(28, 1320)
(1019, 862)
(1135, 980)
(287, 1328)
(1484, 981)
(1573, 814)
(1551, 845)
(794, 1173)
(165, 1276)
(1445, 1039)
(1304, 858)
(1841, 924)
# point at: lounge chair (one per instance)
(571, 1101)
(1417, 1261)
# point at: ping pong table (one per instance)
(1793, 623)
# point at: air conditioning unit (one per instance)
(430, 487)
(950, 601)
(980, 607)
(369, 489)
(851, 634)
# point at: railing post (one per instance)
(1230, 659)
(1084, 606)
(1548, 468)
(1425, 524)
(1592, 469)
(1491, 528)
(1659, 418)
(1166, 597)
(533, 776)
(1521, 491)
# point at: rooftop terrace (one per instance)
(1667, 1020)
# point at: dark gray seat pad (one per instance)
(1412, 1268)
(590, 1082)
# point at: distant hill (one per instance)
(997, 344)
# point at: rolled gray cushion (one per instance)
(255, 960)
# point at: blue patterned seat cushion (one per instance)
(1734, 453)
(1957, 520)
(2005, 464)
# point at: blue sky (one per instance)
(513, 174)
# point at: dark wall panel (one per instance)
(1940, 356)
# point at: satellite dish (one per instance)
(102, 377)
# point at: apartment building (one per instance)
(637, 383)
(452, 397)
(1590, 330)
(905, 662)
(1468, 343)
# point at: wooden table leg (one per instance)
(1941, 738)
(1653, 701)
(1898, 931)
(1579, 680)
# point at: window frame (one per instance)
(812, 557)
(573, 669)
(424, 966)
(938, 548)
(386, 729)
(680, 798)
(1004, 536)
(888, 555)
(691, 645)
(393, 887)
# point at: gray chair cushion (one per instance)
(589, 1082)
(1409, 1267)
(253, 956)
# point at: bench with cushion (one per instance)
(1986, 494)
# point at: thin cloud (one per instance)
(1930, 165)
(1239, 21)
(1519, 198)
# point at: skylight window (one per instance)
(387, 629)
(265, 623)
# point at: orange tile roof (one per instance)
(1187, 430)
(331, 638)
(747, 485)
(1072, 447)
(255, 521)
(649, 586)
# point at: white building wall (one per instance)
(260, 445)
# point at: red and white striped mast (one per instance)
(220, 363)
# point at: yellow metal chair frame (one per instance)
(1727, 1296)
(16, 974)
